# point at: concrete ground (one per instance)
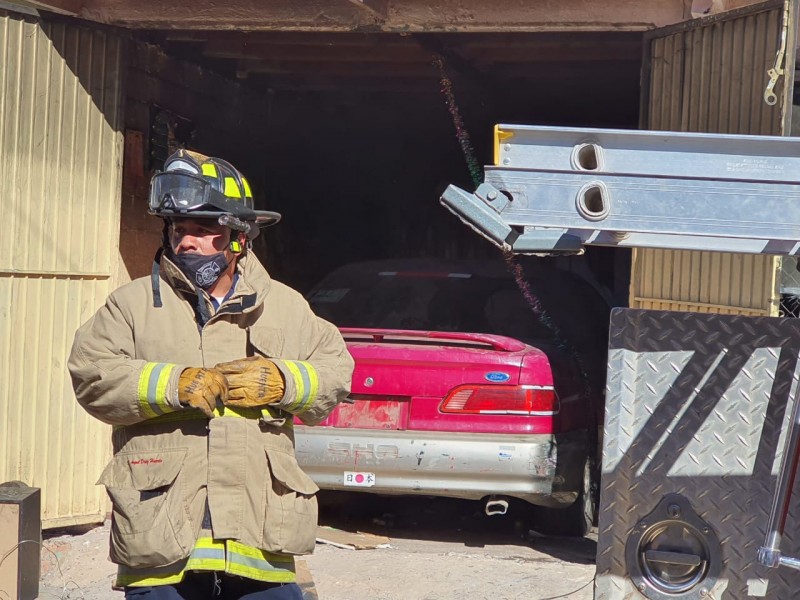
(425, 549)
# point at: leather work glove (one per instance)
(202, 388)
(253, 381)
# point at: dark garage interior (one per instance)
(353, 136)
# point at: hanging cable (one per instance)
(511, 262)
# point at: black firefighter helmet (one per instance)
(196, 186)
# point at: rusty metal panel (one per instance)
(709, 75)
(60, 179)
(717, 282)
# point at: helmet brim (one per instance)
(266, 218)
(263, 218)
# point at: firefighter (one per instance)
(200, 368)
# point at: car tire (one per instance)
(575, 520)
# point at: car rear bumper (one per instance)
(541, 469)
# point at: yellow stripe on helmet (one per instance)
(231, 188)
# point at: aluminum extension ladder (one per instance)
(557, 189)
(554, 190)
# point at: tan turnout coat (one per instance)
(169, 461)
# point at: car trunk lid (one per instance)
(396, 367)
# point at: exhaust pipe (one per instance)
(496, 505)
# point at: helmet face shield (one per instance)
(178, 192)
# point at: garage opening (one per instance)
(353, 136)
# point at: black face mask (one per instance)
(202, 269)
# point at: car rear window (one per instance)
(461, 301)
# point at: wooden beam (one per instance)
(310, 51)
(377, 8)
(283, 38)
(571, 85)
(550, 54)
(408, 16)
(337, 85)
(62, 7)
(420, 70)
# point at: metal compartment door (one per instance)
(696, 414)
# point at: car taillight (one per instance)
(501, 400)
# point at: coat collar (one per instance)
(251, 289)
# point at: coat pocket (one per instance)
(290, 521)
(150, 523)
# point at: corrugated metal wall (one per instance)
(709, 76)
(60, 173)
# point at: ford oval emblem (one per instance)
(497, 376)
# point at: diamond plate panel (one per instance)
(696, 404)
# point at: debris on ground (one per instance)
(349, 540)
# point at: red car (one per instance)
(461, 389)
